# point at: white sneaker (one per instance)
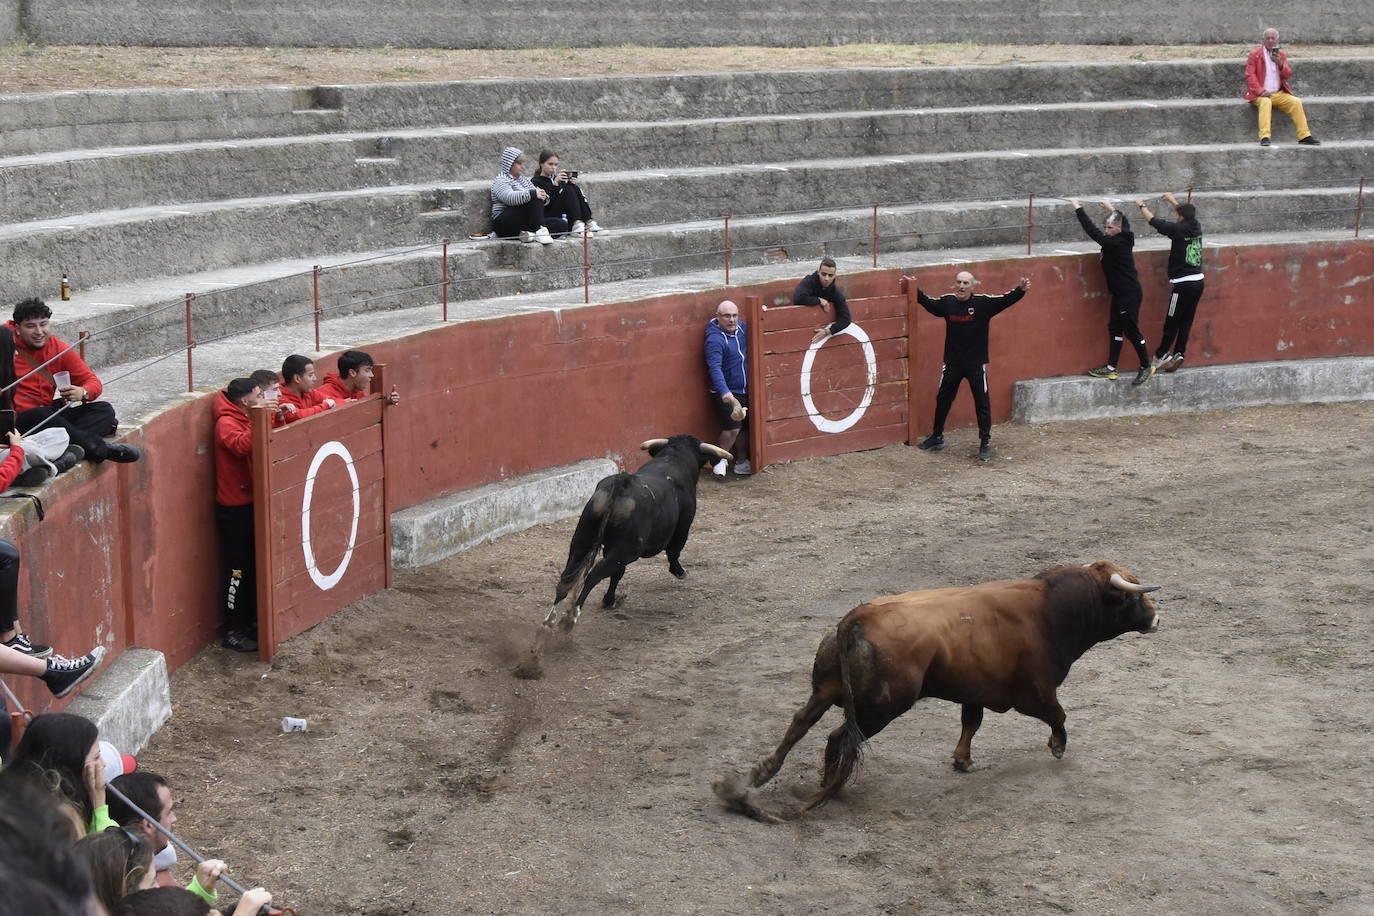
(593, 228)
(577, 228)
(526, 236)
(718, 468)
(542, 236)
(743, 468)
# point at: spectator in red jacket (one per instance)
(1266, 87)
(353, 380)
(57, 388)
(233, 440)
(300, 395)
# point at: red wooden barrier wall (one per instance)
(323, 514)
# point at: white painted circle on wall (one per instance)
(870, 358)
(329, 448)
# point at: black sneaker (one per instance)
(1103, 372)
(1143, 375)
(123, 454)
(35, 476)
(240, 641)
(931, 444)
(985, 452)
(64, 674)
(20, 643)
(69, 459)
(1309, 140)
(1264, 141)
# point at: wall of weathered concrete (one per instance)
(128, 551)
(577, 23)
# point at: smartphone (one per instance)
(6, 422)
(572, 174)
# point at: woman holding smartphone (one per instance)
(566, 200)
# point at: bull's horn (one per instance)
(653, 444)
(715, 450)
(1132, 587)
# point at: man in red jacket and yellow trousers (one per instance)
(1266, 87)
(57, 388)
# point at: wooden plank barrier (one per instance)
(322, 514)
(846, 393)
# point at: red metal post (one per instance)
(875, 235)
(315, 285)
(445, 280)
(81, 343)
(757, 421)
(1359, 208)
(190, 345)
(586, 267)
(727, 249)
(1030, 220)
(1189, 198)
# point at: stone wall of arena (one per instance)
(581, 23)
(128, 552)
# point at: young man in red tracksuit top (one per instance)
(300, 394)
(38, 401)
(233, 442)
(353, 380)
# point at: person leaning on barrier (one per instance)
(566, 200)
(233, 443)
(967, 317)
(1185, 279)
(1267, 73)
(726, 367)
(353, 381)
(40, 358)
(820, 288)
(1118, 267)
(300, 394)
(517, 206)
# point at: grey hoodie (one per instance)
(506, 189)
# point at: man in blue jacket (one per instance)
(726, 366)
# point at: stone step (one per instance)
(47, 121)
(376, 282)
(46, 186)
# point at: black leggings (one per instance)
(238, 562)
(1123, 325)
(526, 217)
(950, 377)
(9, 585)
(570, 204)
(1182, 309)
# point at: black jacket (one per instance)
(810, 292)
(1118, 255)
(1185, 252)
(966, 323)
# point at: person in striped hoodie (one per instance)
(517, 206)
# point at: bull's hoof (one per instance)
(736, 796)
(964, 764)
(1056, 749)
(677, 570)
(610, 603)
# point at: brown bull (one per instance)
(998, 646)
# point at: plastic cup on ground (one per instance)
(292, 724)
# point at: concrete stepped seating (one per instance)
(49, 185)
(431, 23)
(124, 246)
(53, 121)
(375, 282)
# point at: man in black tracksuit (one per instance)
(1185, 279)
(966, 353)
(820, 288)
(1118, 267)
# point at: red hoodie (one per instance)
(233, 453)
(307, 405)
(333, 387)
(37, 390)
(11, 467)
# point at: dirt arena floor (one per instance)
(1220, 765)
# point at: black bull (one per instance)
(999, 645)
(629, 517)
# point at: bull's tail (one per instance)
(845, 746)
(589, 537)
